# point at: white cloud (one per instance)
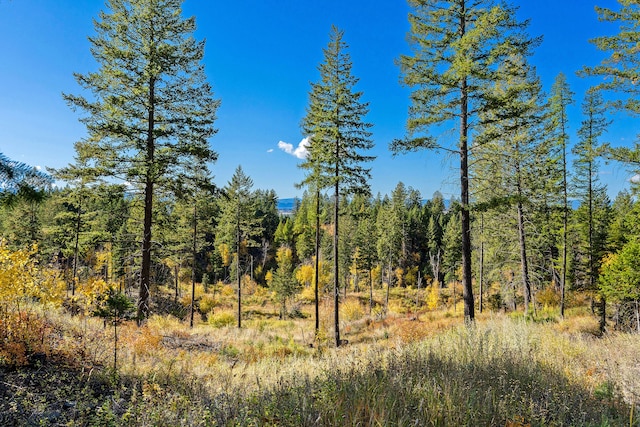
(300, 151)
(635, 178)
(270, 150)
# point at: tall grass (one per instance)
(502, 372)
(491, 375)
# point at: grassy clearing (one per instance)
(423, 369)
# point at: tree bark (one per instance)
(239, 283)
(75, 251)
(481, 279)
(467, 287)
(317, 263)
(524, 267)
(336, 287)
(145, 271)
(193, 272)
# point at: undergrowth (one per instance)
(499, 372)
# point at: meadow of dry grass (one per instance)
(408, 366)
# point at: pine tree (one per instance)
(338, 134)
(435, 228)
(452, 249)
(512, 163)
(150, 111)
(593, 215)
(456, 46)
(620, 70)
(239, 226)
(284, 283)
(389, 241)
(561, 98)
(20, 179)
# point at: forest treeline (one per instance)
(530, 227)
(396, 240)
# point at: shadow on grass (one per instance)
(424, 389)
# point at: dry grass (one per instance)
(406, 367)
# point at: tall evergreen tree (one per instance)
(17, 178)
(561, 98)
(239, 227)
(284, 284)
(150, 111)
(389, 241)
(335, 123)
(620, 70)
(452, 253)
(435, 229)
(593, 215)
(456, 45)
(517, 159)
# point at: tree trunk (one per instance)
(145, 270)
(238, 266)
(75, 251)
(317, 263)
(193, 272)
(603, 314)
(336, 287)
(370, 291)
(515, 291)
(481, 280)
(386, 304)
(467, 289)
(175, 270)
(523, 260)
(565, 214)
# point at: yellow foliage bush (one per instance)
(22, 279)
(227, 290)
(548, 297)
(222, 319)
(160, 323)
(88, 292)
(249, 286)
(351, 310)
(22, 283)
(305, 274)
(207, 303)
(308, 294)
(433, 297)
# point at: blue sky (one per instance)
(261, 56)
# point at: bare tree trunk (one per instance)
(175, 269)
(481, 279)
(336, 287)
(386, 306)
(515, 292)
(434, 260)
(238, 267)
(193, 272)
(603, 314)
(523, 260)
(370, 291)
(145, 270)
(317, 262)
(467, 288)
(75, 252)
